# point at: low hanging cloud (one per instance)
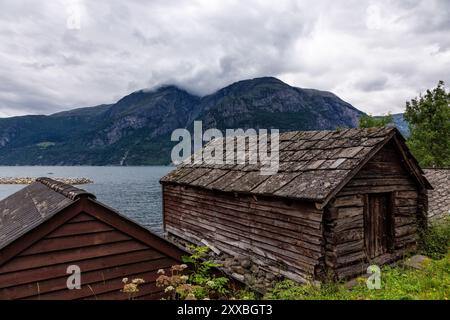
(61, 54)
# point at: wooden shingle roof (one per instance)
(313, 165)
(34, 204)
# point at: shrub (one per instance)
(201, 283)
(435, 240)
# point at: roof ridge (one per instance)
(67, 190)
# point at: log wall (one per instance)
(285, 238)
(104, 254)
(344, 223)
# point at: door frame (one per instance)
(388, 221)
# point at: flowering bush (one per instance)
(200, 283)
(132, 288)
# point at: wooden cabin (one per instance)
(48, 226)
(340, 201)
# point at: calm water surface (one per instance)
(133, 191)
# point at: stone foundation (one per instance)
(254, 276)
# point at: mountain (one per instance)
(136, 129)
(401, 124)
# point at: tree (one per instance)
(429, 122)
(368, 121)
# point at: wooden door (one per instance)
(378, 224)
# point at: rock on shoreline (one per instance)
(28, 180)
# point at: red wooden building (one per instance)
(341, 200)
(48, 226)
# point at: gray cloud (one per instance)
(375, 55)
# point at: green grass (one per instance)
(397, 282)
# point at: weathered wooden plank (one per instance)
(250, 246)
(98, 263)
(345, 236)
(77, 241)
(202, 226)
(245, 225)
(405, 202)
(406, 230)
(279, 206)
(214, 233)
(349, 201)
(80, 228)
(249, 213)
(403, 220)
(35, 261)
(96, 289)
(81, 218)
(59, 281)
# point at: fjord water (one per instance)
(133, 191)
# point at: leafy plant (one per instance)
(200, 283)
(435, 240)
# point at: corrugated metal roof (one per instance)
(312, 164)
(34, 204)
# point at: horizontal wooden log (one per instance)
(335, 261)
(241, 241)
(344, 236)
(407, 194)
(404, 220)
(239, 248)
(299, 209)
(293, 224)
(385, 181)
(405, 202)
(406, 211)
(250, 211)
(297, 247)
(406, 230)
(374, 189)
(349, 201)
(346, 248)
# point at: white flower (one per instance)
(125, 280)
(161, 271)
(184, 278)
(168, 289)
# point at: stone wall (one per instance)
(439, 198)
(242, 269)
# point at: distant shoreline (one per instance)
(29, 180)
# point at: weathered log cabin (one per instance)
(48, 226)
(340, 201)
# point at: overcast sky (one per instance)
(61, 54)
